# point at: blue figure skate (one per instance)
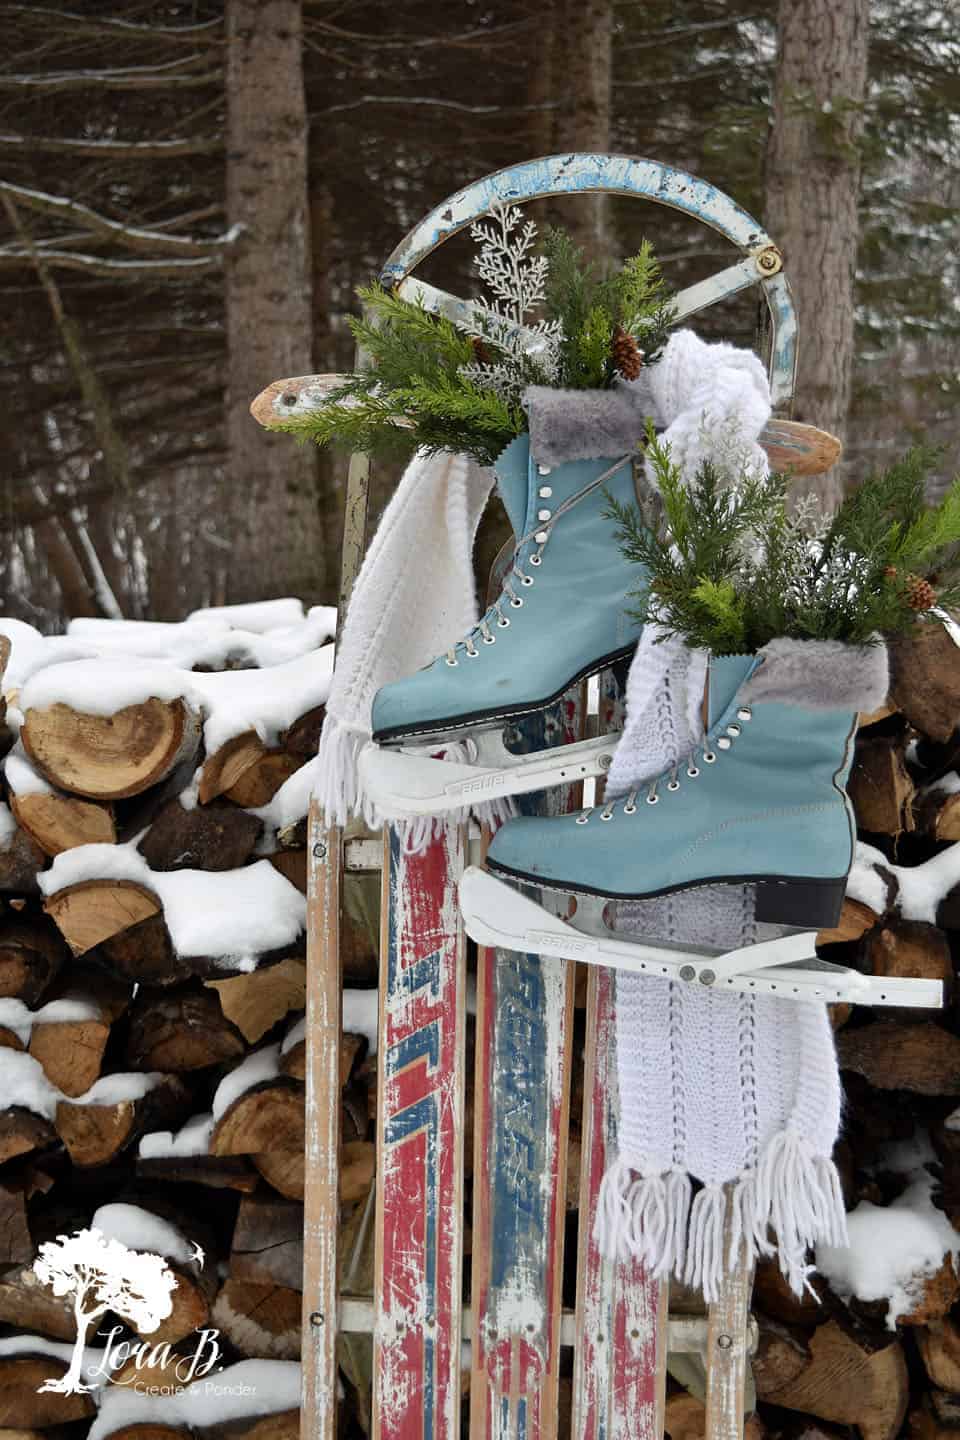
(560, 617)
(761, 801)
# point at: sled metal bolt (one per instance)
(604, 762)
(725, 1342)
(687, 972)
(316, 1317)
(320, 851)
(707, 977)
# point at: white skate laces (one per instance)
(708, 755)
(540, 533)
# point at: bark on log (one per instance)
(911, 947)
(880, 786)
(925, 679)
(920, 1057)
(108, 757)
(25, 1302)
(225, 766)
(217, 836)
(20, 859)
(144, 953)
(267, 1246)
(939, 1346)
(225, 1172)
(292, 865)
(23, 1130)
(182, 1030)
(32, 953)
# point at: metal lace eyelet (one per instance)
(708, 757)
(516, 602)
(535, 560)
(503, 623)
(629, 809)
(734, 730)
(582, 819)
(472, 654)
(452, 663)
(489, 639)
(673, 784)
(604, 815)
(527, 580)
(653, 799)
(744, 713)
(541, 537)
(692, 771)
(724, 743)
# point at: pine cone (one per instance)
(920, 593)
(627, 355)
(481, 351)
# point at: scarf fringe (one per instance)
(340, 796)
(789, 1203)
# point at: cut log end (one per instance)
(109, 757)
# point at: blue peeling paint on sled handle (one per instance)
(574, 174)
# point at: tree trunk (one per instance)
(812, 190)
(585, 121)
(271, 481)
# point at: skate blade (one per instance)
(497, 915)
(404, 782)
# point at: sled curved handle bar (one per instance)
(575, 174)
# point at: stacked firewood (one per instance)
(152, 951)
(152, 994)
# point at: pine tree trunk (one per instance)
(271, 481)
(812, 193)
(582, 83)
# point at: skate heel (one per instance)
(811, 904)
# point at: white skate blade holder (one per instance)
(497, 915)
(412, 781)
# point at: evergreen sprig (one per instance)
(732, 566)
(425, 381)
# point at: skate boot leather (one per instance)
(761, 800)
(560, 617)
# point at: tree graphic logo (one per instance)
(103, 1275)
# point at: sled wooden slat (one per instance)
(321, 1201)
(419, 1227)
(727, 1351)
(521, 1119)
(620, 1349)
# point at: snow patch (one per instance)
(21, 777)
(893, 1249)
(8, 826)
(262, 1064)
(251, 1387)
(23, 1082)
(229, 915)
(193, 1138)
(142, 1230)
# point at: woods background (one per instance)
(191, 192)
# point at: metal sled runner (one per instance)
(520, 1333)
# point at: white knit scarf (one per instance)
(739, 1092)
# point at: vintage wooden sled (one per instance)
(521, 1337)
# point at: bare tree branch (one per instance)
(68, 22)
(13, 256)
(112, 149)
(133, 77)
(130, 236)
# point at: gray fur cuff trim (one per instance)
(584, 424)
(821, 675)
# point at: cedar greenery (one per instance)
(425, 381)
(732, 566)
